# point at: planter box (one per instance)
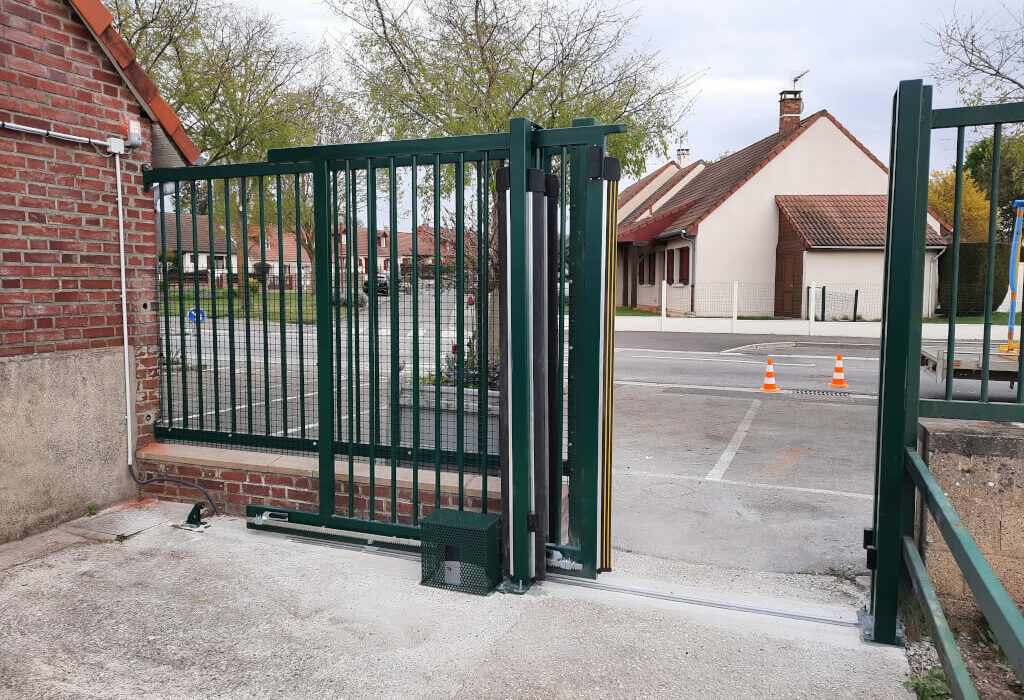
(449, 417)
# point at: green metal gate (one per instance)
(381, 306)
(902, 479)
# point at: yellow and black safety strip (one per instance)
(611, 172)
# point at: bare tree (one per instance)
(982, 54)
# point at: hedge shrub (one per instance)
(971, 292)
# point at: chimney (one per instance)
(683, 156)
(791, 105)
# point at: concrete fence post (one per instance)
(811, 305)
(735, 303)
(664, 302)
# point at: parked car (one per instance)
(382, 284)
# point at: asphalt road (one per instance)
(708, 470)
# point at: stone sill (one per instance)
(297, 465)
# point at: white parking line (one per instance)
(754, 485)
(706, 387)
(721, 359)
(733, 447)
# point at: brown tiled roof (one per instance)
(841, 220)
(673, 180)
(716, 183)
(101, 24)
(629, 192)
(170, 233)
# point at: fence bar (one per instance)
(559, 436)
(856, 295)
(416, 343)
(263, 298)
(212, 260)
(972, 410)
(353, 242)
(244, 194)
(958, 678)
(396, 422)
(993, 218)
(957, 217)
(351, 297)
(231, 306)
(483, 354)
(181, 306)
(324, 351)
(1000, 612)
(298, 284)
(374, 330)
(282, 309)
(195, 300)
(460, 322)
(437, 330)
(165, 282)
(336, 300)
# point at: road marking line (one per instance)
(733, 447)
(747, 390)
(730, 482)
(720, 359)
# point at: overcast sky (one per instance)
(857, 52)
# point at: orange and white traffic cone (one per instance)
(838, 375)
(769, 378)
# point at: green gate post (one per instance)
(899, 376)
(324, 331)
(585, 370)
(520, 345)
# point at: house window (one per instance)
(650, 268)
(641, 266)
(671, 273)
(684, 265)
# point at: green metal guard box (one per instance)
(461, 551)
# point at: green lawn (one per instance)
(626, 311)
(999, 318)
(218, 307)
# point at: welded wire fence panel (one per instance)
(237, 312)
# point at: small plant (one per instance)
(93, 509)
(929, 686)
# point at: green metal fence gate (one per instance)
(903, 482)
(390, 308)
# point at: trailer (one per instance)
(967, 363)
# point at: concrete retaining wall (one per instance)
(62, 445)
(980, 467)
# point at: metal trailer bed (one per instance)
(967, 363)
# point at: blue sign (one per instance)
(196, 315)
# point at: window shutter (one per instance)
(650, 268)
(641, 264)
(671, 267)
(684, 265)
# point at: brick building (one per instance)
(64, 69)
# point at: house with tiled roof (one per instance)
(803, 207)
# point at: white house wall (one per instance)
(737, 241)
(842, 272)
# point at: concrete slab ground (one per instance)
(232, 613)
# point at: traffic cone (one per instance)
(838, 375)
(769, 378)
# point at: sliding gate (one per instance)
(430, 319)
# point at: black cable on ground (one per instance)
(173, 480)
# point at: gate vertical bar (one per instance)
(324, 329)
(899, 375)
(520, 339)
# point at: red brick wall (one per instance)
(59, 274)
(233, 489)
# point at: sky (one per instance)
(749, 50)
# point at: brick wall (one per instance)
(233, 488)
(59, 274)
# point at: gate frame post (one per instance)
(899, 370)
(324, 332)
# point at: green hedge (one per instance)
(971, 292)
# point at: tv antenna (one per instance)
(796, 78)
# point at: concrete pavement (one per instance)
(230, 613)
